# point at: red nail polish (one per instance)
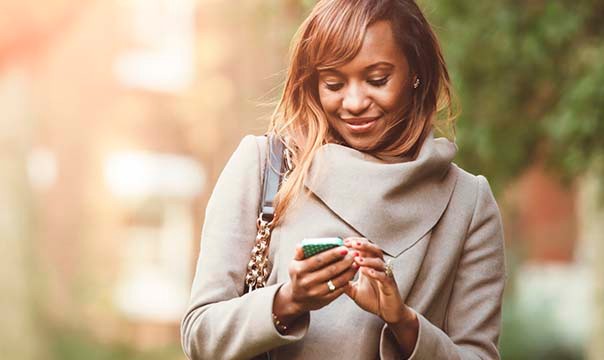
(356, 253)
(358, 243)
(361, 260)
(343, 252)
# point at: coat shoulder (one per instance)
(252, 145)
(471, 187)
(464, 177)
(467, 179)
(248, 155)
(241, 172)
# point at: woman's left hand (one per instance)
(374, 291)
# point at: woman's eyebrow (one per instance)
(378, 64)
(366, 69)
(329, 71)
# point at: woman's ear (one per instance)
(416, 82)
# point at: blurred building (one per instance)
(118, 118)
(114, 179)
(550, 291)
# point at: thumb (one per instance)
(299, 255)
(350, 290)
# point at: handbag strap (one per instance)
(275, 171)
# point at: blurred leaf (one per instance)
(71, 345)
(529, 78)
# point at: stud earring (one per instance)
(416, 83)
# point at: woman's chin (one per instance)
(364, 143)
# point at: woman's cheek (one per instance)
(330, 104)
(390, 100)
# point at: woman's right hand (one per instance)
(307, 289)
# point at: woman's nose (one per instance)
(355, 100)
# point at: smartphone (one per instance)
(313, 246)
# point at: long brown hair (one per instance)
(331, 36)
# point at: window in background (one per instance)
(160, 51)
(155, 269)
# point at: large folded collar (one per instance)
(393, 204)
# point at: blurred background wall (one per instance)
(116, 118)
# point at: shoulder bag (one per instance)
(277, 167)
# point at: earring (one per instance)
(416, 83)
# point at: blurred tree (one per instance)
(529, 78)
(26, 24)
(18, 333)
(591, 214)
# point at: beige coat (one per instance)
(439, 224)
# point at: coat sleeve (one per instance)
(221, 322)
(473, 317)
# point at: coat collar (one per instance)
(393, 204)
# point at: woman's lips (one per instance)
(361, 125)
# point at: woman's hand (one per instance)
(307, 289)
(374, 291)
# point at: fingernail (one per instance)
(343, 252)
(355, 265)
(356, 253)
(358, 243)
(359, 259)
(346, 241)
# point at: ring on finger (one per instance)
(331, 286)
(388, 269)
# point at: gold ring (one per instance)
(388, 269)
(331, 286)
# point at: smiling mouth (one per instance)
(360, 125)
(360, 121)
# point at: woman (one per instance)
(363, 90)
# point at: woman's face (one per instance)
(362, 97)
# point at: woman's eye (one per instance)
(379, 82)
(334, 86)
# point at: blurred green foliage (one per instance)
(76, 345)
(528, 77)
(533, 335)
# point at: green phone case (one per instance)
(314, 246)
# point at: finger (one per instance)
(371, 262)
(299, 255)
(366, 247)
(355, 244)
(314, 283)
(350, 290)
(321, 288)
(377, 275)
(333, 270)
(325, 258)
(341, 281)
(350, 240)
(334, 294)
